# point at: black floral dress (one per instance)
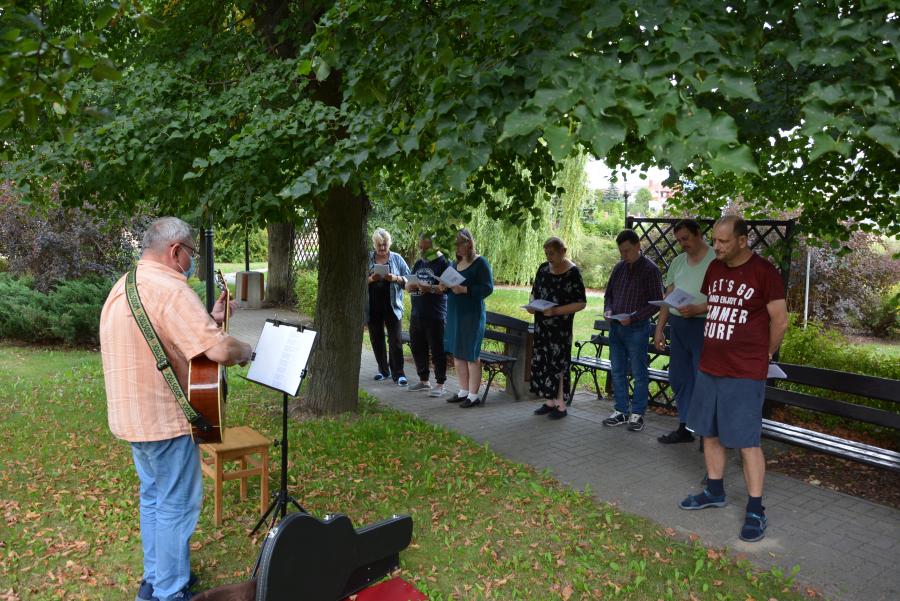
(553, 335)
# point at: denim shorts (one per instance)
(729, 409)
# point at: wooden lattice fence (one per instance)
(769, 238)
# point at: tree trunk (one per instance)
(280, 279)
(334, 367)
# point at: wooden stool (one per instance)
(238, 444)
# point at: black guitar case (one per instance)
(304, 558)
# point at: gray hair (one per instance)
(465, 234)
(165, 231)
(381, 235)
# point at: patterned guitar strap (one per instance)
(162, 361)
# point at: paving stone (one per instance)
(846, 547)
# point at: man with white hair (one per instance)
(142, 408)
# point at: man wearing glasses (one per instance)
(142, 408)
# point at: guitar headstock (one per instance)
(220, 281)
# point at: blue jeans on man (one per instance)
(628, 349)
(684, 359)
(171, 494)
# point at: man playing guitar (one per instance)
(154, 306)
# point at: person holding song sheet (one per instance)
(142, 405)
(469, 281)
(559, 282)
(387, 279)
(685, 322)
(426, 321)
(633, 284)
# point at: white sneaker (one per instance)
(616, 418)
(419, 386)
(437, 391)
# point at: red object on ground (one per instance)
(395, 589)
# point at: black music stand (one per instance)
(283, 351)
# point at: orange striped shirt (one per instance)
(140, 405)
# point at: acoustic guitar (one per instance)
(207, 386)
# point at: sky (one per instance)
(599, 176)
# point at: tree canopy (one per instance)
(245, 111)
(456, 96)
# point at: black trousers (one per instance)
(390, 360)
(424, 335)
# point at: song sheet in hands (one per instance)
(539, 304)
(451, 278)
(775, 372)
(676, 298)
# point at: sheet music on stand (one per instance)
(279, 360)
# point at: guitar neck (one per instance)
(381, 539)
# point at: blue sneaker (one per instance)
(402, 381)
(379, 377)
(702, 501)
(754, 527)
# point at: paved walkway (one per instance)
(845, 546)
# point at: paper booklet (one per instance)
(620, 316)
(775, 372)
(414, 280)
(280, 357)
(677, 298)
(539, 304)
(381, 270)
(451, 278)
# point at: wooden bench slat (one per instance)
(862, 413)
(504, 337)
(832, 444)
(868, 386)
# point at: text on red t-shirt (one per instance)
(736, 333)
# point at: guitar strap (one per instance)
(162, 361)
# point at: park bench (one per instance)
(511, 335)
(782, 392)
(588, 359)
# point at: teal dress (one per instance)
(466, 313)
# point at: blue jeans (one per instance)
(171, 497)
(684, 360)
(628, 347)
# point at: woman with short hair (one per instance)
(466, 317)
(557, 281)
(385, 307)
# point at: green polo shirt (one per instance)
(689, 277)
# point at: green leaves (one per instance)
(559, 141)
(104, 69)
(104, 15)
(603, 134)
(522, 122)
(737, 159)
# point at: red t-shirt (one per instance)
(736, 333)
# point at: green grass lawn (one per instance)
(233, 267)
(484, 528)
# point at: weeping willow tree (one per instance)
(568, 206)
(516, 252)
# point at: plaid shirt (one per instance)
(631, 288)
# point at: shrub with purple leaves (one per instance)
(53, 244)
(844, 289)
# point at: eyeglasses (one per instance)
(191, 249)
